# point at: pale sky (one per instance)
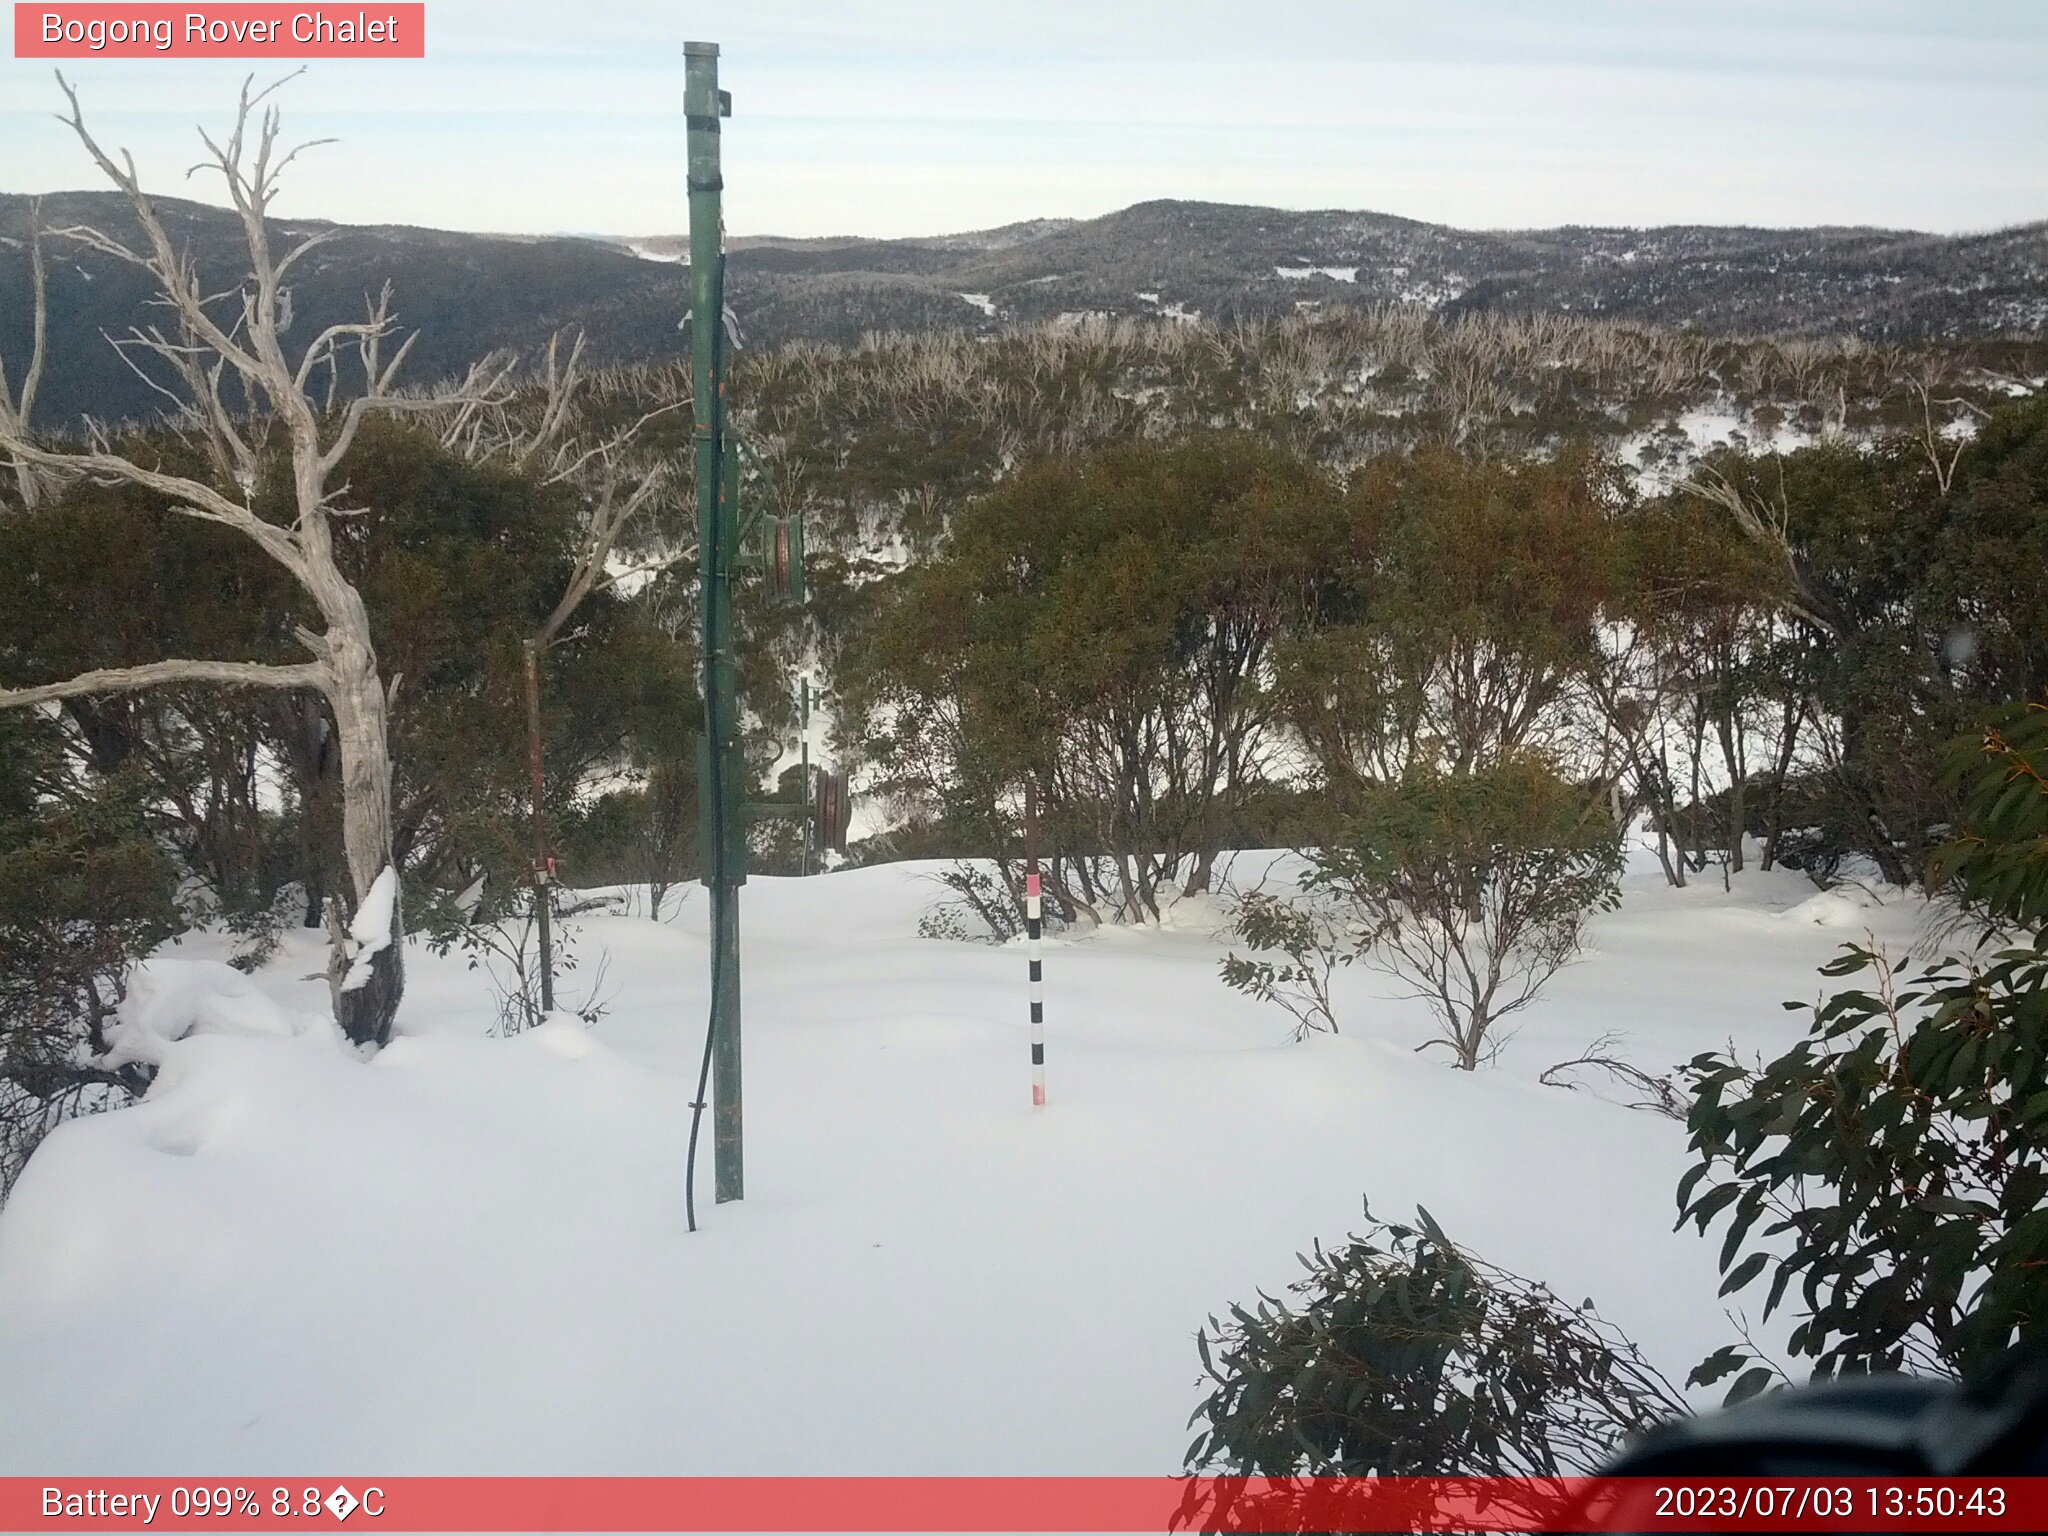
(893, 117)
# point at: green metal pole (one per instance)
(717, 540)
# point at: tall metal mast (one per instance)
(721, 773)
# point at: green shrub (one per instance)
(1473, 888)
(1405, 1356)
(84, 892)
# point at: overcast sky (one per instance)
(891, 117)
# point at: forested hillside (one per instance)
(1227, 262)
(469, 294)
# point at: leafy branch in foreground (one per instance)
(1403, 1355)
(1893, 1161)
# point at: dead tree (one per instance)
(1943, 447)
(1766, 523)
(246, 393)
(537, 433)
(15, 410)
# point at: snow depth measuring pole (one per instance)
(721, 773)
(1033, 931)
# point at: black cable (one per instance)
(697, 1105)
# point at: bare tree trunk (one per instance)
(1780, 772)
(365, 1011)
(310, 753)
(1737, 808)
(16, 410)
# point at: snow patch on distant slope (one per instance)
(649, 253)
(1434, 294)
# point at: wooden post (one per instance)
(543, 863)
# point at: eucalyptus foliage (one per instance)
(1996, 865)
(1889, 1172)
(1890, 1166)
(1401, 1355)
(1297, 946)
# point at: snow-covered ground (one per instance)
(468, 1255)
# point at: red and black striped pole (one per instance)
(1033, 931)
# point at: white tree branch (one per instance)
(158, 674)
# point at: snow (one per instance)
(170, 998)
(370, 931)
(653, 253)
(1838, 908)
(1433, 294)
(630, 574)
(467, 1254)
(982, 302)
(1339, 274)
(1697, 431)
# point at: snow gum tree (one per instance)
(252, 406)
(1104, 626)
(1463, 595)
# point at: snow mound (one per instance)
(1829, 909)
(169, 999)
(563, 1035)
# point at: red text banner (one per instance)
(1056, 1504)
(114, 31)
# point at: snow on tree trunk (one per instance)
(366, 995)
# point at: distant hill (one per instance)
(465, 293)
(1224, 261)
(470, 293)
